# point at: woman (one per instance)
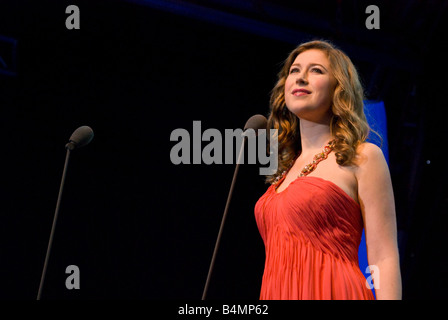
(330, 185)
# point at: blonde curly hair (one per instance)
(348, 123)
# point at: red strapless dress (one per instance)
(311, 232)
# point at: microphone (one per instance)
(255, 122)
(80, 137)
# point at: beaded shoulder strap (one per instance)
(311, 166)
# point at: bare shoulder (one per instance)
(369, 149)
(369, 157)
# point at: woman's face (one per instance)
(309, 86)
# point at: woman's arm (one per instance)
(377, 203)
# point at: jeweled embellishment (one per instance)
(311, 166)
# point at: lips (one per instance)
(300, 92)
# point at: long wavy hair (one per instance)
(348, 124)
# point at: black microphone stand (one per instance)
(229, 197)
(69, 147)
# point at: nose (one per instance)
(302, 78)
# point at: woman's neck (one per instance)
(314, 136)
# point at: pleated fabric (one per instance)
(311, 232)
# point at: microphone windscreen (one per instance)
(82, 136)
(256, 122)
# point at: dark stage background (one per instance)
(140, 227)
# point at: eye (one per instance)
(317, 70)
(293, 70)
